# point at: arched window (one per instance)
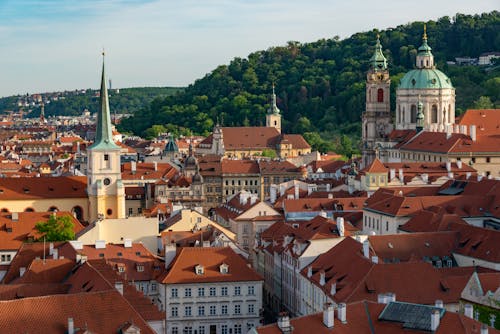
(29, 210)
(5, 210)
(434, 114)
(449, 114)
(403, 115)
(77, 212)
(399, 114)
(413, 116)
(52, 209)
(380, 95)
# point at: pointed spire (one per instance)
(274, 107)
(378, 60)
(424, 48)
(104, 134)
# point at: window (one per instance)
(201, 310)
(380, 95)
(488, 159)
(130, 211)
(237, 329)
(174, 312)
(223, 329)
(213, 310)
(174, 293)
(251, 290)
(223, 309)
(413, 114)
(201, 330)
(237, 309)
(251, 308)
(212, 292)
(140, 268)
(188, 330)
(187, 311)
(121, 269)
(175, 330)
(201, 292)
(237, 291)
(187, 292)
(249, 326)
(153, 287)
(434, 114)
(223, 291)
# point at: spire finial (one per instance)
(424, 37)
(273, 87)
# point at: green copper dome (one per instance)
(425, 78)
(378, 61)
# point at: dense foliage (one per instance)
(320, 85)
(56, 228)
(122, 101)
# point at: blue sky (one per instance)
(49, 45)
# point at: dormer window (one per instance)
(140, 268)
(224, 268)
(199, 270)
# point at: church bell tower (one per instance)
(376, 120)
(104, 185)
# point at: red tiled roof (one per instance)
(297, 141)
(98, 312)
(239, 166)
(376, 167)
(257, 137)
(43, 187)
(182, 270)
(487, 121)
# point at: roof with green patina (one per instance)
(425, 78)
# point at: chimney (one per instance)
(296, 191)
(328, 317)
(425, 177)
(170, 252)
(100, 244)
(484, 329)
(468, 175)
(390, 297)
(76, 244)
(439, 303)
(333, 289)
(119, 287)
(401, 175)
(457, 128)
(323, 214)
(473, 132)
(448, 166)
(284, 323)
(381, 298)
(449, 131)
(340, 226)
(366, 248)
(463, 129)
(328, 186)
(459, 164)
(310, 188)
(133, 167)
(375, 259)
(273, 194)
(392, 172)
(450, 175)
(253, 199)
(469, 311)
(71, 326)
(78, 147)
(127, 243)
(309, 272)
(155, 165)
(282, 189)
(22, 270)
(55, 253)
(51, 248)
(322, 280)
(342, 312)
(435, 318)
(15, 216)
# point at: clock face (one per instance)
(107, 182)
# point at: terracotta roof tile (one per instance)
(43, 187)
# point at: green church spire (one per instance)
(274, 107)
(378, 62)
(424, 48)
(104, 134)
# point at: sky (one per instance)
(54, 45)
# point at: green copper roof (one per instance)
(274, 108)
(425, 78)
(104, 134)
(424, 49)
(378, 61)
(171, 145)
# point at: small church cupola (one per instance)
(378, 62)
(273, 117)
(425, 59)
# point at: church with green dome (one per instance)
(427, 85)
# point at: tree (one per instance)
(484, 102)
(56, 228)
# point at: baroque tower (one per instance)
(273, 117)
(376, 120)
(104, 185)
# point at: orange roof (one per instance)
(14, 233)
(376, 167)
(22, 188)
(182, 270)
(257, 137)
(146, 171)
(239, 166)
(47, 271)
(98, 312)
(487, 121)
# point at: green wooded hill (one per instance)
(73, 103)
(321, 85)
